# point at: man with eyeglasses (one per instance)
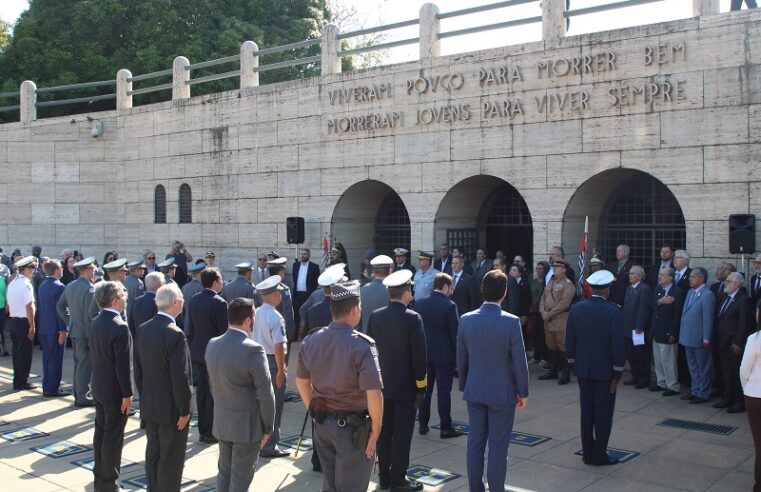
(261, 272)
(149, 259)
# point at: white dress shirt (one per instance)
(301, 282)
(750, 368)
(20, 293)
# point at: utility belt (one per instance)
(360, 422)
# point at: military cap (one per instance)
(274, 254)
(37, 249)
(176, 243)
(98, 272)
(596, 260)
(399, 278)
(269, 285)
(210, 254)
(401, 252)
(344, 290)
(277, 262)
(89, 261)
(601, 279)
(116, 265)
(370, 254)
(16, 252)
(335, 249)
(245, 265)
(422, 255)
(168, 263)
(197, 267)
(136, 264)
(26, 261)
(381, 261)
(331, 275)
(561, 261)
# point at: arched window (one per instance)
(159, 205)
(392, 225)
(186, 204)
(644, 214)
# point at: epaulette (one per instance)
(367, 338)
(614, 304)
(314, 330)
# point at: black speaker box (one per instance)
(294, 227)
(742, 234)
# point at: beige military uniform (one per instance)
(554, 306)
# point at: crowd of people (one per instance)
(371, 351)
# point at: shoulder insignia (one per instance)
(367, 338)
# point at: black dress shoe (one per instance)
(317, 468)
(736, 409)
(278, 453)
(698, 401)
(630, 382)
(84, 405)
(564, 379)
(57, 394)
(27, 386)
(548, 375)
(208, 440)
(721, 404)
(384, 482)
(422, 430)
(655, 387)
(407, 485)
(670, 393)
(640, 386)
(688, 396)
(609, 461)
(449, 434)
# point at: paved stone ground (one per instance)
(669, 459)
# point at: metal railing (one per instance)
(553, 22)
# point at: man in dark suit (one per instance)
(682, 273)
(440, 321)
(52, 330)
(722, 270)
(245, 402)
(464, 289)
(491, 362)
(110, 345)
(734, 326)
(305, 274)
(595, 349)
(480, 266)
(145, 305)
(755, 283)
(637, 311)
(620, 270)
(666, 261)
(162, 375)
(400, 338)
(456, 251)
(667, 313)
(512, 302)
(444, 261)
(207, 318)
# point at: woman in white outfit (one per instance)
(750, 377)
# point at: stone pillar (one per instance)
(331, 62)
(180, 90)
(28, 101)
(701, 8)
(123, 89)
(553, 20)
(430, 44)
(249, 61)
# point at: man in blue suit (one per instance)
(695, 333)
(52, 330)
(595, 348)
(440, 323)
(491, 361)
(144, 308)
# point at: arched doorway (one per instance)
(485, 211)
(625, 206)
(370, 215)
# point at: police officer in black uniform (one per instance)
(339, 381)
(595, 348)
(399, 335)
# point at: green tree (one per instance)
(5, 34)
(58, 42)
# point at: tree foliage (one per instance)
(59, 42)
(5, 34)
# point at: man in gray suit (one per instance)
(244, 403)
(695, 333)
(73, 307)
(193, 287)
(261, 271)
(480, 266)
(134, 283)
(638, 308)
(241, 285)
(375, 295)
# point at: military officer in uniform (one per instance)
(554, 305)
(285, 307)
(402, 263)
(169, 268)
(424, 276)
(339, 381)
(134, 283)
(21, 310)
(73, 307)
(374, 295)
(595, 347)
(269, 332)
(117, 272)
(318, 315)
(192, 288)
(400, 338)
(241, 286)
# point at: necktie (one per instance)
(678, 277)
(456, 279)
(690, 296)
(724, 306)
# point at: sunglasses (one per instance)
(151, 258)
